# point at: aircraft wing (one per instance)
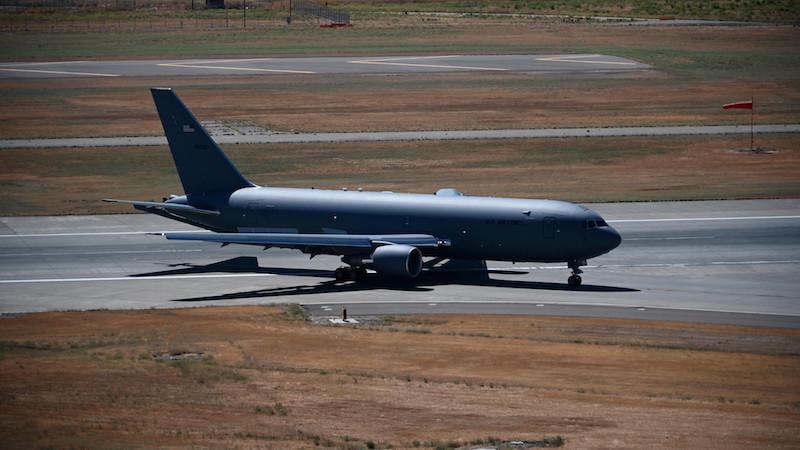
(313, 243)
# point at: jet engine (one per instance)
(397, 260)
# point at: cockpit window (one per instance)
(592, 223)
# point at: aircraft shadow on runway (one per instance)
(461, 274)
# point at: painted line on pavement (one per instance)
(47, 63)
(119, 252)
(101, 233)
(394, 62)
(576, 59)
(700, 219)
(240, 275)
(150, 278)
(673, 238)
(249, 69)
(406, 58)
(434, 66)
(58, 72)
(218, 61)
(652, 265)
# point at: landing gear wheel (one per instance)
(575, 279)
(344, 274)
(347, 273)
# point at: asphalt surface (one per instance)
(723, 262)
(530, 133)
(321, 65)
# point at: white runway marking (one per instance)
(248, 69)
(219, 61)
(577, 59)
(58, 72)
(652, 265)
(394, 62)
(244, 275)
(150, 278)
(691, 219)
(121, 252)
(405, 58)
(675, 238)
(99, 233)
(50, 63)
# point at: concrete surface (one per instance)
(530, 133)
(721, 261)
(321, 65)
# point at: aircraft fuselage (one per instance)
(504, 229)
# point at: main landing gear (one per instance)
(575, 280)
(349, 273)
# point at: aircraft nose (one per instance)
(612, 239)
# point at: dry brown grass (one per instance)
(696, 70)
(90, 379)
(81, 108)
(71, 181)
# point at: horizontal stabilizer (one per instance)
(171, 207)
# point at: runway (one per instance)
(725, 262)
(321, 65)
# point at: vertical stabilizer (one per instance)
(201, 164)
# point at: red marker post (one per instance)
(744, 105)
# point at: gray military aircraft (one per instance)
(387, 232)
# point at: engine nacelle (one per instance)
(397, 260)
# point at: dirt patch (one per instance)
(267, 380)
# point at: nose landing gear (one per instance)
(575, 280)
